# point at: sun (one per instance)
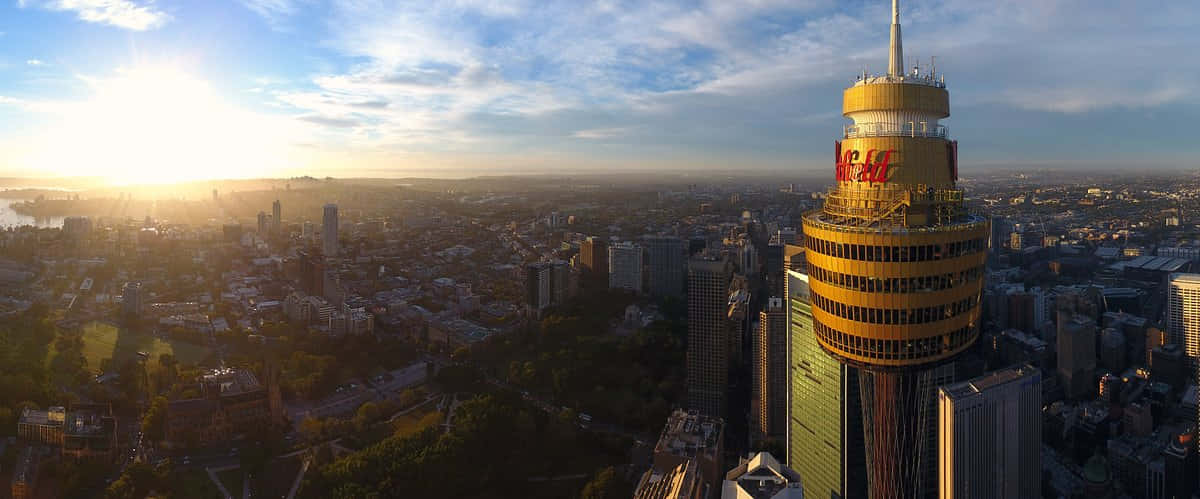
(161, 125)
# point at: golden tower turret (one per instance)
(896, 262)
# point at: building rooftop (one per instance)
(1180, 278)
(690, 434)
(972, 387)
(762, 477)
(51, 416)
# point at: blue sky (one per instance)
(137, 89)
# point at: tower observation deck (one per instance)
(896, 262)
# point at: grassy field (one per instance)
(106, 341)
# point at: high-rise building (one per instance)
(329, 230)
(708, 343)
(769, 366)
(560, 282)
(276, 216)
(762, 477)
(538, 296)
(1077, 355)
(666, 265)
(131, 300)
(1183, 313)
(895, 261)
(625, 266)
(990, 436)
(262, 223)
(1180, 466)
(593, 255)
(824, 422)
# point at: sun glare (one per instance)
(160, 125)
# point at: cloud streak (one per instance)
(127, 14)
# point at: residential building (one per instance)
(329, 230)
(593, 255)
(538, 295)
(131, 300)
(990, 436)
(1077, 355)
(769, 378)
(1183, 314)
(667, 265)
(625, 266)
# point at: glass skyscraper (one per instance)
(824, 423)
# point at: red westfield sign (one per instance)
(872, 167)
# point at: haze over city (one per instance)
(142, 91)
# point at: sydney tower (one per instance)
(896, 264)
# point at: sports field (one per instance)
(102, 340)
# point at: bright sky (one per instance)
(141, 90)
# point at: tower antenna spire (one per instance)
(896, 57)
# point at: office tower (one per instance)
(708, 345)
(329, 230)
(824, 422)
(625, 266)
(990, 436)
(593, 254)
(895, 261)
(276, 216)
(262, 223)
(769, 366)
(538, 296)
(1077, 355)
(762, 477)
(131, 300)
(1183, 313)
(666, 265)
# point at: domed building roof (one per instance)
(1096, 469)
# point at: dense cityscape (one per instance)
(893, 328)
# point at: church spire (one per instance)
(896, 57)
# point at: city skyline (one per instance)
(293, 88)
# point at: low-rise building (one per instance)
(90, 433)
(233, 403)
(44, 427)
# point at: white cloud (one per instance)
(128, 14)
(740, 76)
(34, 62)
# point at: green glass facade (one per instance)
(824, 441)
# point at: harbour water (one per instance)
(10, 218)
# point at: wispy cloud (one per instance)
(127, 14)
(34, 62)
(274, 12)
